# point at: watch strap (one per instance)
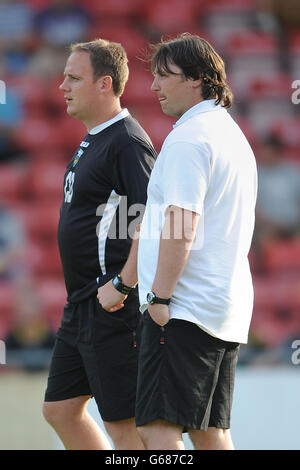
(158, 300)
(118, 284)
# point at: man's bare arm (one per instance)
(175, 244)
(111, 299)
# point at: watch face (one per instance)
(150, 297)
(115, 281)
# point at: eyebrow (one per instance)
(159, 72)
(161, 69)
(70, 74)
(162, 66)
(164, 73)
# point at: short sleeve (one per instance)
(186, 174)
(133, 166)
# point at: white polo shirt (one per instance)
(205, 165)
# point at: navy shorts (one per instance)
(186, 376)
(96, 353)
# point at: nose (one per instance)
(155, 85)
(63, 85)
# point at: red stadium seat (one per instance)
(40, 220)
(246, 127)
(276, 312)
(134, 42)
(250, 43)
(282, 256)
(293, 49)
(138, 88)
(52, 260)
(36, 132)
(170, 15)
(34, 257)
(38, 4)
(275, 86)
(112, 8)
(45, 180)
(224, 18)
(43, 259)
(272, 328)
(227, 5)
(55, 100)
(251, 56)
(59, 156)
(293, 42)
(12, 182)
(71, 131)
(270, 292)
(263, 113)
(294, 294)
(53, 295)
(267, 98)
(291, 154)
(7, 307)
(155, 123)
(288, 130)
(32, 91)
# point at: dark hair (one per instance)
(197, 59)
(107, 58)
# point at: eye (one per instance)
(160, 74)
(72, 77)
(163, 74)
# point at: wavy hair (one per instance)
(197, 59)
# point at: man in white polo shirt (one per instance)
(194, 279)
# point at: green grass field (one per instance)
(22, 426)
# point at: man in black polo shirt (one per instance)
(96, 350)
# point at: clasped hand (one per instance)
(112, 300)
(109, 298)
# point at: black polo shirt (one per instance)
(105, 190)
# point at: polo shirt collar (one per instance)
(123, 114)
(204, 106)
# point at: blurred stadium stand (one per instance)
(261, 47)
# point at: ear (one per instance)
(197, 83)
(105, 83)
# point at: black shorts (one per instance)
(96, 353)
(186, 376)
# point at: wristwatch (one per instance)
(152, 299)
(118, 284)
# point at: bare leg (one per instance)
(212, 439)
(124, 434)
(74, 425)
(159, 435)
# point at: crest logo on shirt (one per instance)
(77, 156)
